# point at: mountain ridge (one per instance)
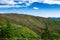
(29, 26)
(54, 18)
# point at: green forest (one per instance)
(27, 27)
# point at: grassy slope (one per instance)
(31, 26)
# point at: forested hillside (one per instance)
(27, 26)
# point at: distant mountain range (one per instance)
(54, 18)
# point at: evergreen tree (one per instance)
(46, 35)
(6, 31)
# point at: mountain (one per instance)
(54, 18)
(29, 26)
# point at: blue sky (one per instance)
(44, 8)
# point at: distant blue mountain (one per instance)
(44, 5)
(54, 18)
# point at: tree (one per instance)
(47, 35)
(6, 31)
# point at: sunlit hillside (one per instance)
(28, 26)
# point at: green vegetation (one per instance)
(24, 26)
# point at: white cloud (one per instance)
(8, 6)
(11, 2)
(20, 2)
(7, 2)
(51, 1)
(31, 1)
(46, 1)
(35, 8)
